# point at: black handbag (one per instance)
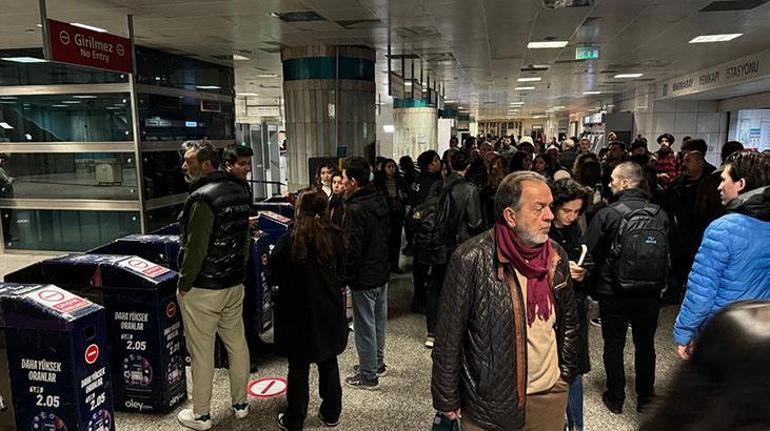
(442, 423)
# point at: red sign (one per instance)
(267, 387)
(70, 305)
(75, 45)
(92, 354)
(170, 310)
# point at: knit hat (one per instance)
(527, 139)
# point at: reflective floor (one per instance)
(403, 401)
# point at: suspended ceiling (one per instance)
(476, 48)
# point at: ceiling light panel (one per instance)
(548, 44)
(524, 88)
(711, 38)
(628, 75)
(536, 79)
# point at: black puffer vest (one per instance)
(229, 199)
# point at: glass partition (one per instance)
(66, 118)
(163, 174)
(70, 230)
(175, 118)
(16, 69)
(103, 176)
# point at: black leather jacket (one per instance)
(465, 218)
(480, 353)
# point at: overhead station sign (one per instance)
(744, 69)
(75, 45)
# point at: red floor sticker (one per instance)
(267, 387)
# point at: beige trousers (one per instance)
(205, 313)
(545, 410)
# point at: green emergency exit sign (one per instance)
(586, 53)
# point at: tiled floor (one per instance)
(404, 402)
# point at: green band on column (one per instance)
(356, 69)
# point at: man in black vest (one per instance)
(215, 243)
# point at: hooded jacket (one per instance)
(480, 354)
(367, 229)
(732, 264)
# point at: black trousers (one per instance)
(297, 394)
(642, 313)
(394, 242)
(420, 281)
(434, 295)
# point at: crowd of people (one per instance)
(510, 241)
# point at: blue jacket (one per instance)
(732, 264)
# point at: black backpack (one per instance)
(429, 219)
(639, 252)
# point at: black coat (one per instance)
(465, 216)
(570, 238)
(480, 353)
(366, 233)
(310, 321)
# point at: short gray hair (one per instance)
(509, 192)
(632, 172)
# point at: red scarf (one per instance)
(533, 263)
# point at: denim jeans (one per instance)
(370, 313)
(575, 405)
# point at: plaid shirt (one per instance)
(668, 165)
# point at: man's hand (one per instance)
(578, 273)
(684, 352)
(454, 415)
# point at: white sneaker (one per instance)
(241, 410)
(187, 419)
(429, 340)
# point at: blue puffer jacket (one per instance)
(732, 264)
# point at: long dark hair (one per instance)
(311, 229)
(722, 386)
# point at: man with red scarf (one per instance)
(506, 346)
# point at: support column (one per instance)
(416, 127)
(330, 105)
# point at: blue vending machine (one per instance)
(144, 324)
(54, 366)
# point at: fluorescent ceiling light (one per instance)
(58, 106)
(541, 66)
(9, 98)
(84, 96)
(589, 93)
(388, 128)
(629, 75)
(24, 59)
(709, 38)
(275, 14)
(5, 125)
(89, 27)
(71, 102)
(558, 107)
(516, 103)
(247, 94)
(450, 101)
(208, 87)
(408, 83)
(267, 75)
(548, 44)
(239, 57)
(530, 79)
(524, 88)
